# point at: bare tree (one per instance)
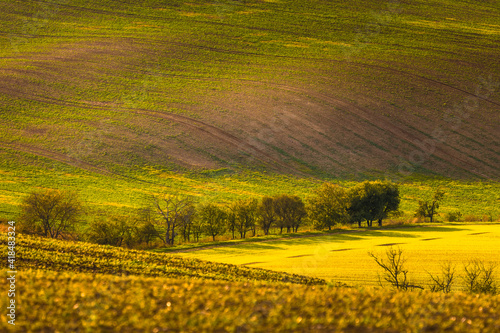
(395, 272)
(444, 282)
(173, 211)
(479, 278)
(51, 213)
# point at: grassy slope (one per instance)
(111, 99)
(68, 302)
(121, 194)
(56, 255)
(343, 256)
(323, 89)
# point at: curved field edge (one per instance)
(89, 302)
(342, 255)
(57, 255)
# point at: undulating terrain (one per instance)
(229, 99)
(316, 88)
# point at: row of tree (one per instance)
(180, 216)
(54, 213)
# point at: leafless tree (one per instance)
(395, 272)
(444, 282)
(173, 211)
(479, 278)
(51, 213)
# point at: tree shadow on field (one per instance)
(257, 246)
(384, 233)
(317, 240)
(434, 229)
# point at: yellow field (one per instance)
(343, 257)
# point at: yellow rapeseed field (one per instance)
(343, 257)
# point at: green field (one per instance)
(117, 194)
(228, 99)
(343, 255)
(92, 94)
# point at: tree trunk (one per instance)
(173, 236)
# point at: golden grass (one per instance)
(343, 257)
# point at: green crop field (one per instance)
(130, 190)
(224, 100)
(343, 257)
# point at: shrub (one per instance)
(115, 231)
(454, 216)
(471, 218)
(444, 282)
(395, 271)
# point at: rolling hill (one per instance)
(326, 88)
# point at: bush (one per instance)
(445, 281)
(471, 218)
(115, 231)
(487, 218)
(395, 272)
(454, 216)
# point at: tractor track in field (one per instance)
(52, 155)
(189, 122)
(219, 134)
(457, 159)
(451, 156)
(59, 157)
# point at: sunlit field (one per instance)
(343, 256)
